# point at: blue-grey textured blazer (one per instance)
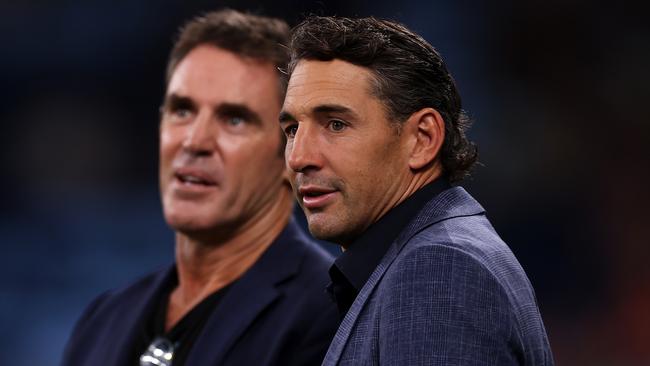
(448, 292)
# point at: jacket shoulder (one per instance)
(130, 293)
(108, 319)
(470, 241)
(459, 282)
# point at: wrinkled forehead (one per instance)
(209, 75)
(327, 82)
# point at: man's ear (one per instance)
(429, 129)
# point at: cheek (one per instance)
(266, 170)
(168, 142)
(166, 136)
(253, 161)
(374, 172)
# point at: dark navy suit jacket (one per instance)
(277, 313)
(448, 292)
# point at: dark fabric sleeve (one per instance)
(73, 353)
(443, 307)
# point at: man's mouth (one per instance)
(316, 197)
(193, 179)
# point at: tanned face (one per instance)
(219, 164)
(347, 163)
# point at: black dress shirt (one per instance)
(185, 332)
(353, 267)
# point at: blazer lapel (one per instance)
(450, 203)
(248, 297)
(128, 327)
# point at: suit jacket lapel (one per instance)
(236, 312)
(247, 298)
(129, 325)
(452, 202)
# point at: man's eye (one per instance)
(182, 113)
(179, 114)
(235, 121)
(291, 130)
(336, 125)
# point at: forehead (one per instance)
(328, 82)
(213, 75)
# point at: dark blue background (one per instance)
(558, 91)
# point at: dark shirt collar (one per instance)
(352, 269)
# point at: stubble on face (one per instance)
(365, 162)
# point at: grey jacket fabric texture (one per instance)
(449, 291)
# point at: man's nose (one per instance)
(201, 135)
(303, 151)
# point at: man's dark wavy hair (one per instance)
(409, 75)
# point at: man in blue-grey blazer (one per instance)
(247, 285)
(375, 140)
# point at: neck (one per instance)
(411, 185)
(420, 180)
(205, 266)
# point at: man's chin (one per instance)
(323, 227)
(200, 228)
(185, 223)
(187, 215)
(185, 226)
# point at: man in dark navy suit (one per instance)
(376, 137)
(247, 286)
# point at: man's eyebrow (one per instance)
(238, 110)
(320, 109)
(286, 117)
(332, 108)
(174, 100)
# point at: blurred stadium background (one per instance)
(557, 89)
